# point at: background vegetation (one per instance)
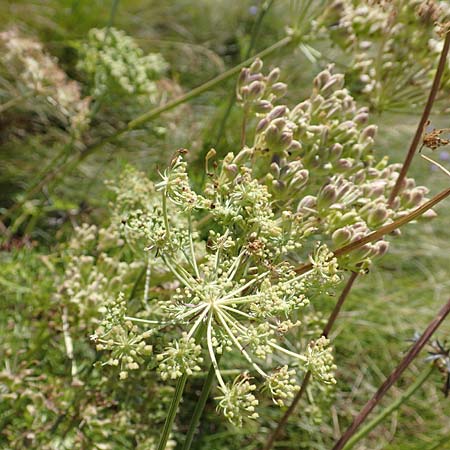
(40, 405)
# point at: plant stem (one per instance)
(200, 406)
(336, 310)
(386, 229)
(424, 119)
(394, 376)
(172, 412)
(391, 408)
(275, 434)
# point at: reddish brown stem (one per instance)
(394, 376)
(423, 120)
(377, 234)
(337, 308)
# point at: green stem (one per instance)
(168, 424)
(391, 408)
(199, 407)
(172, 412)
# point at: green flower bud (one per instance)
(342, 236)
(273, 76)
(279, 89)
(327, 196)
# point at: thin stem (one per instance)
(191, 245)
(394, 376)
(200, 406)
(423, 120)
(223, 317)
(329, 325)
(147, 279)
(288, 413)
(391, 408)
(337, 308)
(377, 234)
(168, 424)
(212, 355)
(172, 412)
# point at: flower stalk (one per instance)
(394, 376)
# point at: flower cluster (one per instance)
(230, 250)
(114, 63)
(128, 346)
(27, 62)
(393, 46)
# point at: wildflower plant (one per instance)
(305, 181)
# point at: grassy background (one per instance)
(200, 40)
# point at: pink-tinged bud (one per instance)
(361, 118)
(256, 66)
(417, 196)
(295, 147)
(244, 91)
(341, 237)
(243, 156)
(410, 183)
(335, 83)
(322, 79)
(378, 216)
(381, 248)
(326, 197)
(336, 151)
(280, 123)
(262, 106)
(231, 169)
(273, 76)
(243, 76)
(430, 214)
(262, 125)
(277, 112)
(300, 109)
(308, 202)
(368, 132)
(299, 179)
(344, 164)
(275, 169)
(279, 89)
(286, 139)
(377, 188)
(359, 177)
(256, 88)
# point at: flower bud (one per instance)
(262, 125)
(327, 196)
(381, 248)
(378, 216)
(275, 169)
(361, 118)
(336, 151)
(273, 76)
(262, 106)
(321, 79)
(344, 164)
(256, 66)
(256, 88)
(342, 236)
(277, 112)
(308, 202)
(295, 147)
(279, 89)
(335, 83)
(368, 132)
